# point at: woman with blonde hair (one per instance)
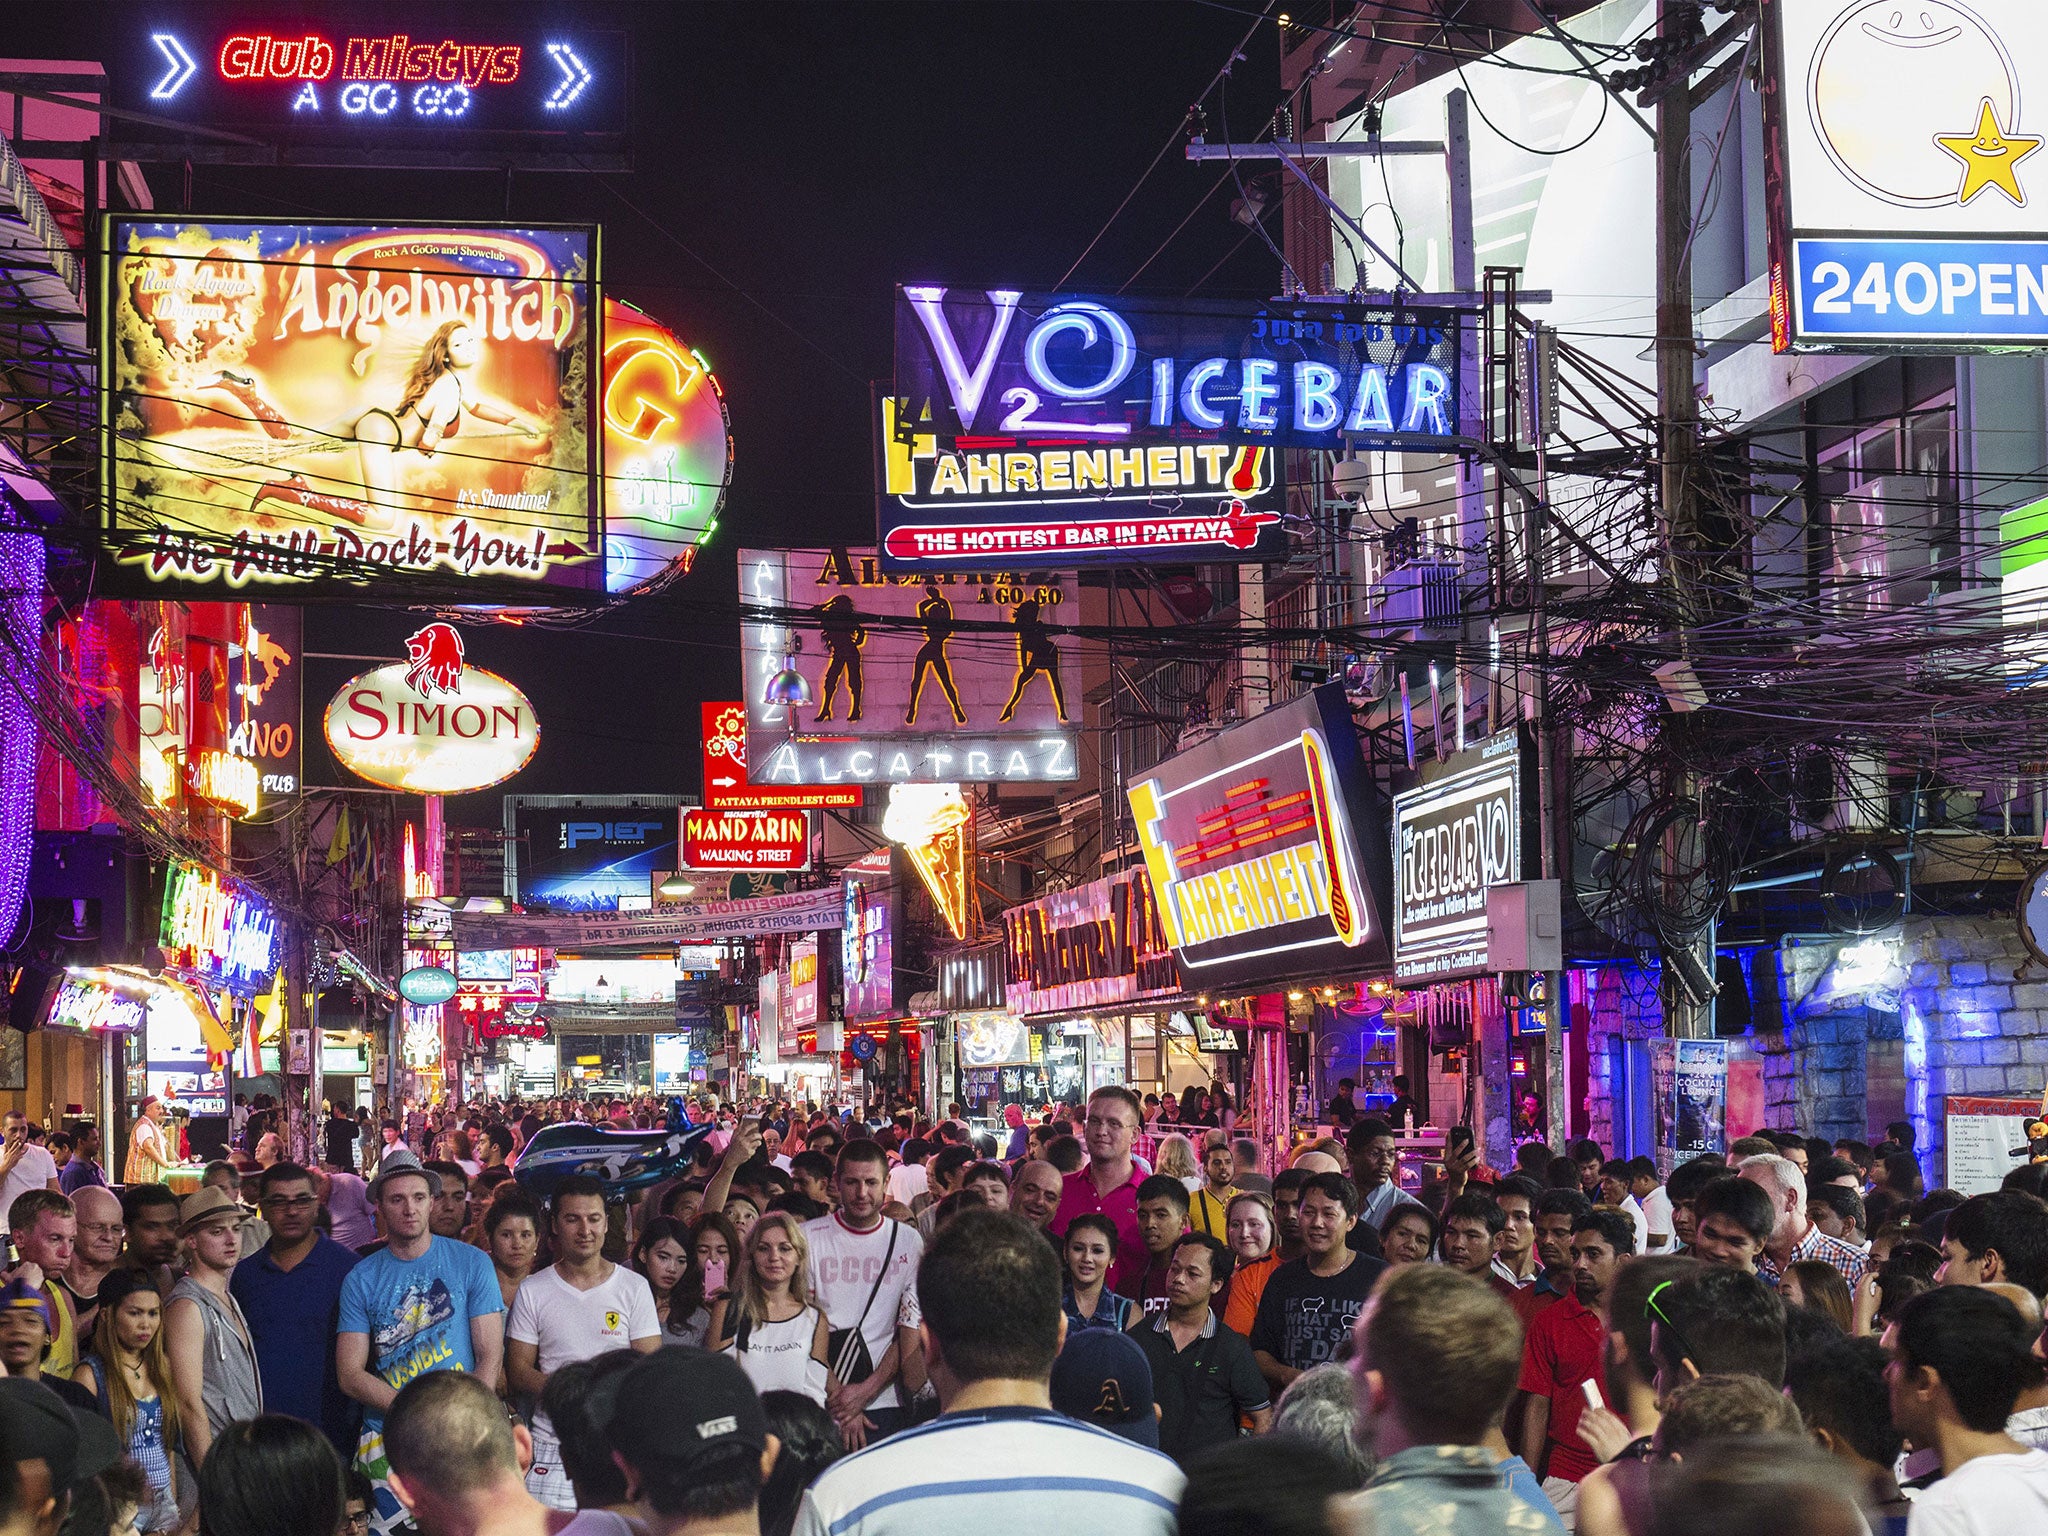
(129, 1376)
(1177, 1160)
(768, 1321)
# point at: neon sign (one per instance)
(746, 839)
(538, 77)
(1067, 431)
(219, 929)
(667, 447)
(1266, 845)
(98, 1000)
(224, 780)
(934, 825)
(389, 726)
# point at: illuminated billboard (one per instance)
(1267, 846)
(265, 695)
(726, 786)
(433, 724)
(581, 854)
(765, 840)
(1457, 833)
(667, 449)
(867, 942)
(410, 80)
(1059, 430)
(951, 678)
(293, 409)
(219, 930)
(1908, 195)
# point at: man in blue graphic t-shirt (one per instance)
(425, 1303)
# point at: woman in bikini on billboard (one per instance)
(429, 412)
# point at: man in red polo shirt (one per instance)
(1108, 1184)
(1563, 1351)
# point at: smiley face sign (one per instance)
(1892, 78)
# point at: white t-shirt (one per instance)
(1990, 1496)
(845, 1265)
(36, 1170)
(571, 1325)
(907, 1181)
(1635, 1214)
(1657, 1211)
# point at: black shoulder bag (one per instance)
(848, 1347)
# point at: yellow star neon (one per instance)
(1990, 156)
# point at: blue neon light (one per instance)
(576, 77)
(1088, 320)
(181, 68)
(1879, 290)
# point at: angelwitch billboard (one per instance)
(292, 409)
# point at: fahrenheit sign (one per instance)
(1263, 847)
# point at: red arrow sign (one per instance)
(725, 772)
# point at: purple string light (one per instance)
(21, 604)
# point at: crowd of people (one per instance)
(836, 1327)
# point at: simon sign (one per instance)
(1908, 191)
(432, 725)
(1266, 849)
(1055, 430)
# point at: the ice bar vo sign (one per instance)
(1078, 368)
(1067, 430)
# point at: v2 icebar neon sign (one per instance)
(1076, 430)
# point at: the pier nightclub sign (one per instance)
(1057, 430)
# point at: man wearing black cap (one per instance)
(41, 1438)
(692, 1438)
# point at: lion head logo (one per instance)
(435, 654)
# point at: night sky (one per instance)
(792, 164)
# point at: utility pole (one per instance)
(1687, 1016)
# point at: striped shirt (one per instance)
(995, 1469)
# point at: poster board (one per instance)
(1979, 1137)
(1689, 1086)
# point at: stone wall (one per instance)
(1855, 1032)
(1610, 1002)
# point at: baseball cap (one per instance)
(18, 1295)
(36, 1426)
(679, 1407)
(1103, 1378)
(396, 1163)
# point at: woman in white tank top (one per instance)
(768, 1323)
